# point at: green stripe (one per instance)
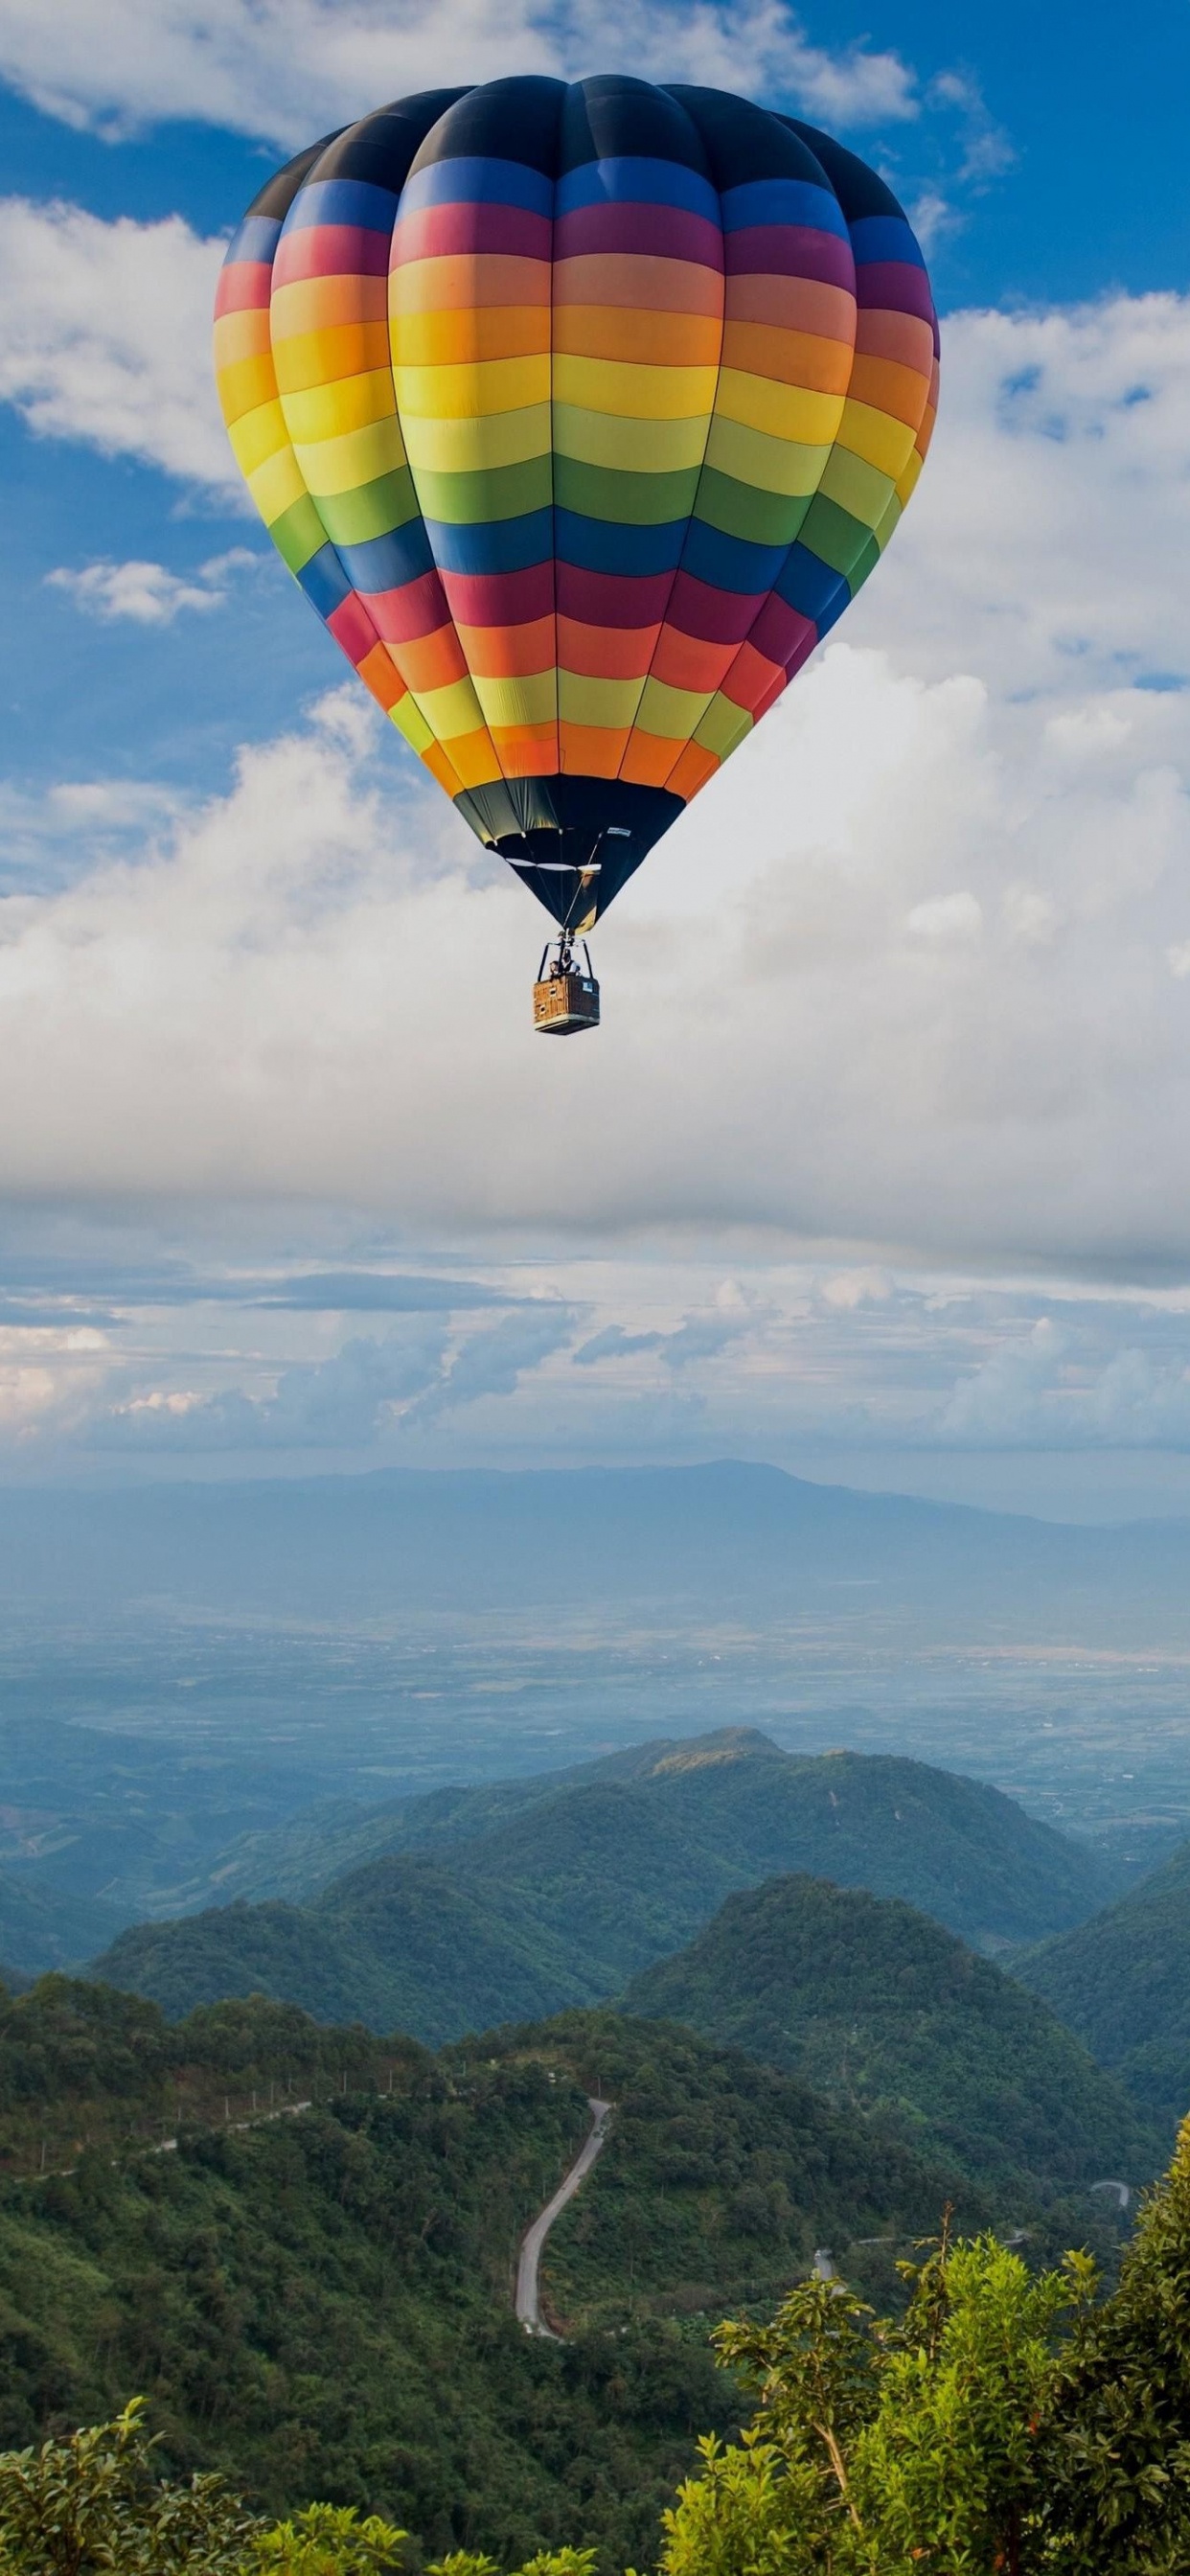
(372, 510)
(490, 492)
(833, 535)
(742, 510)
(857, 486)
(629, 500)
(298, 533)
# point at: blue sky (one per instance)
(894, 1185)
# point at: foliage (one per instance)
(1122, 1981)
(471, 1907)
(91, 2502)
(327, 2540)
(877, 2005)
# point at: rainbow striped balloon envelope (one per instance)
(580, 414)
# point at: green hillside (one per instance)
(878, 2006)
(318, 2299)
(522, 1900)
(732, 1801)
(43, 1927)
(1122, 1981)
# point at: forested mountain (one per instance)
(319, 2299)
(528, 1896)
(43, 1927)
(877, 2005)
(732, 1803)
(1122, 1981)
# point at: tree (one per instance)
(91, 2502)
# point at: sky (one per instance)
(879, 1167)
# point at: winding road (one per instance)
(528, 2288)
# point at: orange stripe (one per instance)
(325, 357)
(379, 675)
(468, 279)
(527, 751)
(449, 338)
(648, 338)
(692, 771)
(648, 759)
(689, 662)
(322, 303)
(475, 759)
(605, 652)
(509, 652)
(903, 337)
(899, 391)
(432, 661)
(793, 304)
(751, 677)
(787, 357)
(241, 335)
(590, 751)
(435, 760)
(639, 281)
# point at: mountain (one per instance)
(660, 1817)
(1122, 1981)
(711, 1538)
(43, 1927)
(539, 1896)
(313, 2287)
(878, 2006)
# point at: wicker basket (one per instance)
(563, 1003)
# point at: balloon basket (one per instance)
(564, 998)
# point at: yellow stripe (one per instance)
(258, 435)
(770, 464)
(450, 711)
(244, 384)
(409, 720)
(723, 726)
(472, 392)
(633, 393)
(782, 411)
(340, 464)
(531, 700)
(632, 446)
(856, 487)
(672, 713)
(277, 484)
(907, 482)
(610, 704)
(330, 411)
(881, 440)
(463, 446)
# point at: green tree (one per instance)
(91, 2502)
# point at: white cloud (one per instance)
(105, 332)
(946, 918)
(338, 1403)
(148, 593)
(290, 69)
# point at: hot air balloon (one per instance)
(580, 413)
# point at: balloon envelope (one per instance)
(580, 413)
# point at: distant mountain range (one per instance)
(708, 1538)
(877, 2006)
(1122, 1981)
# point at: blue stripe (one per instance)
(881, 237)
(342, 201)
(386, 563)
(478, 179)
(502, 545)
(256, 239)
(813, 588)
(324, 581)
(604, 545)
(633, 179)
(783, 201)
(730, 563)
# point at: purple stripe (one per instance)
(612, 599)
(716, 616)
(440, 232)
(781, 631)
(892, 286)
(791, 250)
(663, 232)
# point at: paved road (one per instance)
(528, 2298)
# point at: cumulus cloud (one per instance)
(105, 335)
(698, 1337)
(338, 1403)
(495, 1361)
(148, 593)
(288, 69)
(1045, 1390)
